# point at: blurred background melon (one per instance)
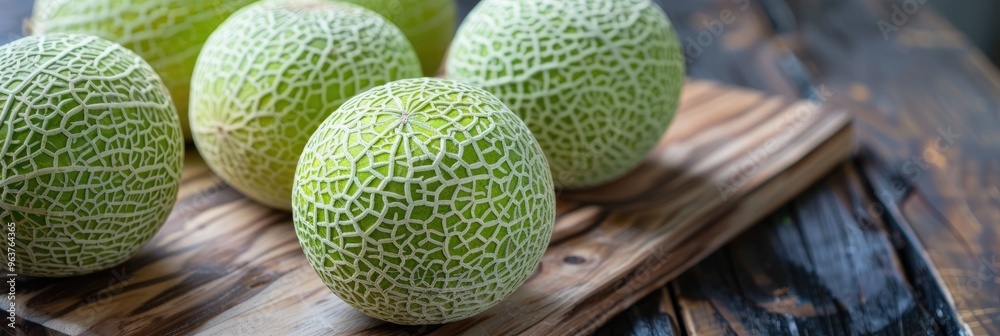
(166, 33)
(429, 24)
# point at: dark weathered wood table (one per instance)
(904, 239)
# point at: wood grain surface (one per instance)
(224, 264)
(917, 250)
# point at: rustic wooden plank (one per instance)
(820, 267)
(841, 47)
(719, 52)
(223, 264)
(760, 62)
(932, 137)
(673, 260)
(635, 320)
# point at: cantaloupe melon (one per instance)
(272, 72)
(423, 201)
(90, 153)
(597, 81)
(167, 33)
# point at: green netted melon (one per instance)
(43, 8)
(423, 201)
(167, 33)
(273, 72)
(429, 24)
(596, 81)
(90, 160)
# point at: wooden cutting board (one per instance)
(224, 264)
